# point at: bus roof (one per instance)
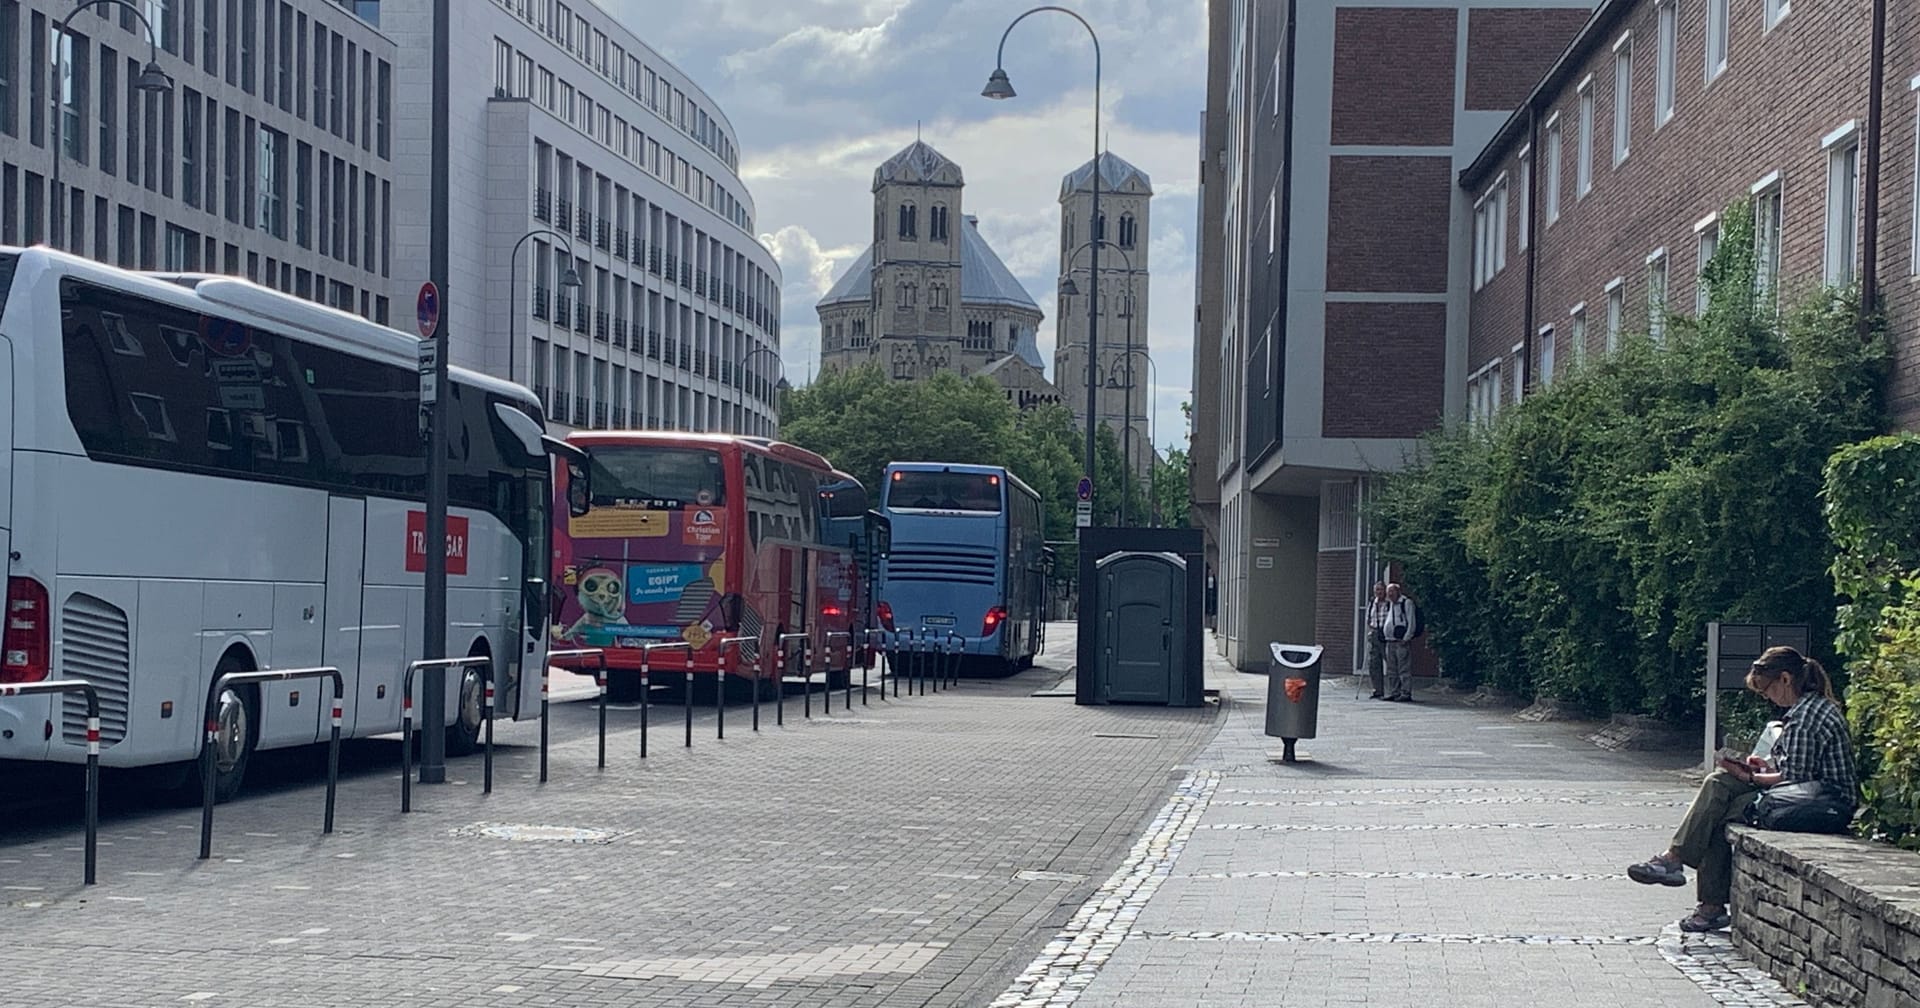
(691, 439)
(962, 467)
(297, 316)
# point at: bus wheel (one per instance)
(463, 735)
(236, 732)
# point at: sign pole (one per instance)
(433, 736)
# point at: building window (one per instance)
(1129, 228)
(1667, 46)
(937, 222)
(1550, 168)
(909, 221)
(1519, 372)
(9, 66)
(1657, 296)
(1717, 13)
(1522, 218)
(1766, 237)
(1490, 233)
(1616, 311)
(1777, 9)
(1577, 331)
(502, 69)
(1843, 208)
(190, 149)
(272, 157)
(1622, 98)
(937, 296)
(1706, 242)
(1543, 357)
(1583, 157)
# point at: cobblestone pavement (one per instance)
(914, 851)
(984, 846)
(1419, 855)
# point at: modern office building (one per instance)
(929, 295)
(268, 153)
(575, 135)
(1337, 326)
(1123, 375)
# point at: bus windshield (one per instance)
(946, 491)
(661, 479)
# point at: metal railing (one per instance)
(827, 643)
(720, 687)
(211, 737)
(780, 693)
(646, 669)
(599, 682)
(406, 720)
(93, 754)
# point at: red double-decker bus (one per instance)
(699, 537)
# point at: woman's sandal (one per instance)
(1696, 922)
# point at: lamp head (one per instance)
(1068, 288)
(570, 280)
(998, 86)
(152, 78)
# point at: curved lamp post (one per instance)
(569, 280)
(1070, 289)
(1000, 87)
(152, 79)
(772, 385)
(1153, 382)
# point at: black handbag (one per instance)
(1806, 807)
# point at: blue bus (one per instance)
(968, 556)
(846, 520)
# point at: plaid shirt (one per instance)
(1815, 746)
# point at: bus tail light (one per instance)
(26, 647)
(885, 612)
(832, 610)
(995, 616)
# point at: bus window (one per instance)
(944, 491)
(657, 478)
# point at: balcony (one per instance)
(543, 205)
(673, 265)
(686, 275)
(541, 309)
(619, 418)
(583, 225)
(600, 415)
(620, 243)
(700, 362)
(619, 332)
(562, 214)
(562, 312)
(602, 234)
(580, 410)
(580, 319)
(701, 286)
(653, 343)
(601, 326)
(653, 259)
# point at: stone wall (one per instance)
(1834, 919)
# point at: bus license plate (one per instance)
(937, 620)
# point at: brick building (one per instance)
(1597, 202)
(1333, 304)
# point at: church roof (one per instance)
(1116, 175)
(856, 284)
(918, 162)
(984, 279)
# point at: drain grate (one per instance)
(525, 833)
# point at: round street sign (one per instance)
(428, 305)
(1085, 490)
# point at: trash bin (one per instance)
(1293, 693)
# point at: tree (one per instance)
(1171, 495)
(860, 420)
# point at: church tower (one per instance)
(1122, 373)
(916, 257)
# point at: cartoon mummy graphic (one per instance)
(602, 596)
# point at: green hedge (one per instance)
(1873, 509)
(1578, 543)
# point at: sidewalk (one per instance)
(1419, 855)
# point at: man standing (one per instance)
(1402, 617)
(1376, 639)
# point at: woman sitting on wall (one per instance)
(1813, 746)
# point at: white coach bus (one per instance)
(200, 475)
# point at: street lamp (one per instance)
(151, 79)
(1153, 382)
(771, 386)
(1070, 289)
(569, 280)
(1000, 87)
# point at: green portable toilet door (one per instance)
(1141, 597)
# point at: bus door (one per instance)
(340, 643)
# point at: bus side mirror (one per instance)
(579, 489)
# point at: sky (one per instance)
(819, 92)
